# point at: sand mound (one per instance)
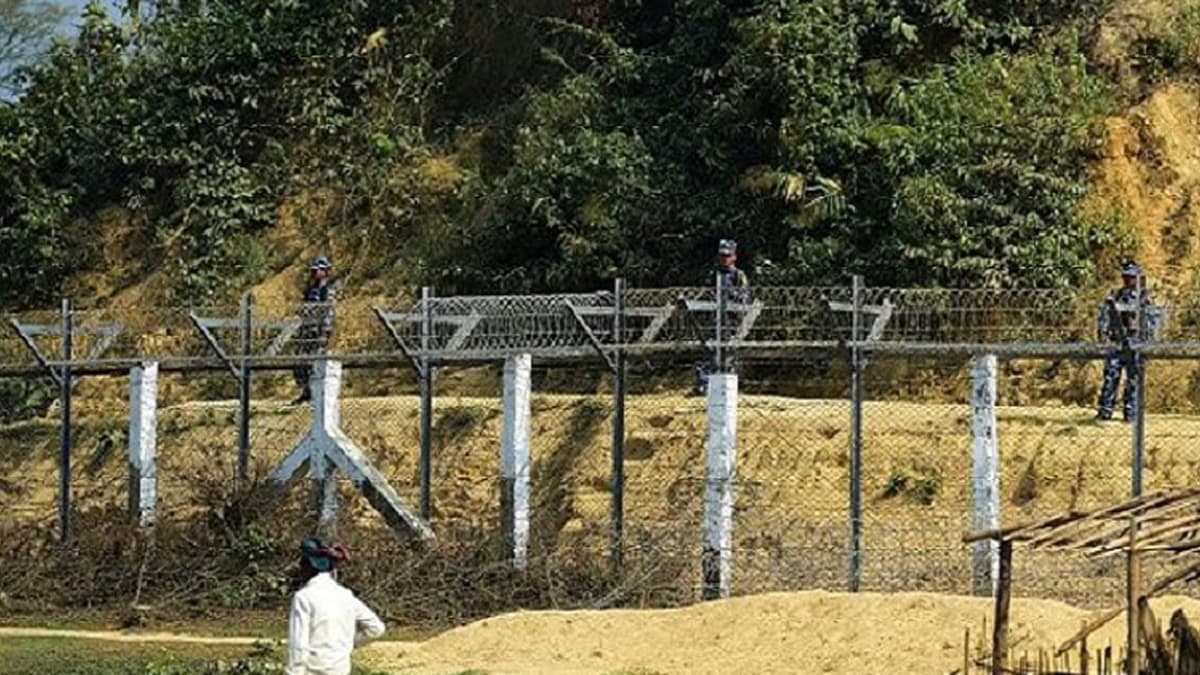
(809, 632)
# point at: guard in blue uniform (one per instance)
(732, 278)
(1118, 324)
(737, 290)
(316, 320)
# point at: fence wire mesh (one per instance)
(791, 522)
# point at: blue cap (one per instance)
(727, 247)
(1131, 269)
(321, 556)
(320, 263)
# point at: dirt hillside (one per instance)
(1150, 172)
(810, 632)
(1149, 168)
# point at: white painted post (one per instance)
(327, 449)
(985, 473)
(326, 384)
(514, 458)
(721, 479)
(143, 425)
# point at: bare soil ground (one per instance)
(807, 632)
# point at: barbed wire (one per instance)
(576, 323)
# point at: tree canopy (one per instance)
(526, 145)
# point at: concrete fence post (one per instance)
(326, 385)
(514, 458)
(985, 475)
(720, 482)
(143, 444)
(327, 450)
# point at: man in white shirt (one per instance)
(327, 622)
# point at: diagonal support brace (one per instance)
(327, 444)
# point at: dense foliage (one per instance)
(534, 144)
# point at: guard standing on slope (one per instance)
(316, 321)
(736, 286)
(1118, 324)
(326, 621)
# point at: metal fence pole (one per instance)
(618, 441)
(426, 372)
(856, 409)
(1139, 414)
(243, 459)
(1139, 426)
(64, 445)
(719, 354)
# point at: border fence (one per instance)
(677, 443)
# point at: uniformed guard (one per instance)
(316, 320)
(731, 277)
(736, 286)
(1122, 316)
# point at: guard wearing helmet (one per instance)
(736, 287)
(316, 320)
(1119, 323)
(732, 278)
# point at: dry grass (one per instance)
(791, 518)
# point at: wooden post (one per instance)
(1133, 588)
(1083, 656)
(985, 482)
(1003, 599)
(514, 459)
(967, 651)
(717, 561)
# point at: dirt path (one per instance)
(118, 636)
(383, 646)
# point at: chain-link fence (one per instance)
(619, 437)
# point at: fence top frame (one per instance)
(578, 327)
(745, 349)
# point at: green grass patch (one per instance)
(99, 657)
(52, 656)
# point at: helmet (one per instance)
(727, 247)
(1131, 269)
(320, 263)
